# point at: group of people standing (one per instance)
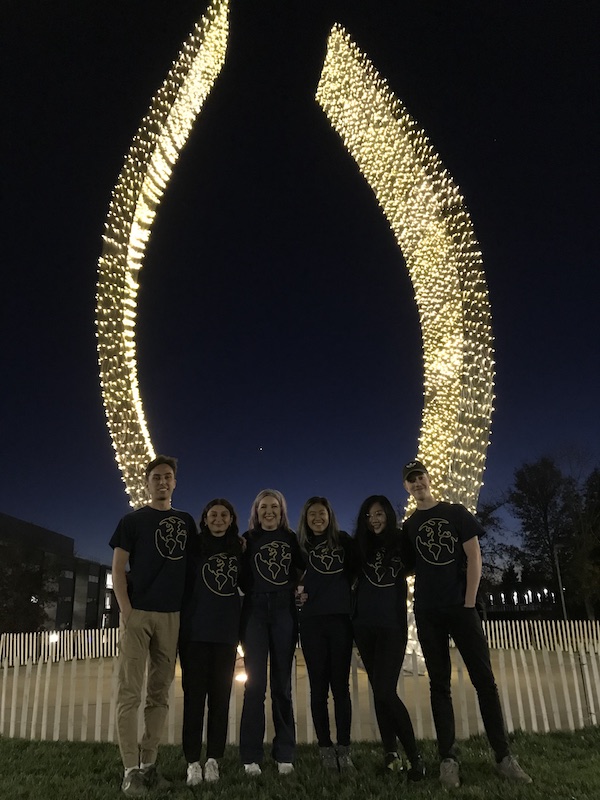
(204, 591)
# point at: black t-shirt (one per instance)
(271, 561)
(381, 591)
(156, 542)
(436, 537)
(211, 604)
(327, 578)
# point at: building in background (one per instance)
(81, 589)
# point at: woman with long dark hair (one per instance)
(381, 627)
(209, 634)
(269, 631)
(325, 626)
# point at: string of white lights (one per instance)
(135, 199)
(420, 201)
(434, 232)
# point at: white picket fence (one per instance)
(95, 643)
(20, 648)
(548, 634)
(540, 690)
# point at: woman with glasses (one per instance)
(381, 627)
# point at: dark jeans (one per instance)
(206, 671)
(269, 631)
(464, 626)
(382, 651)
(327, 646)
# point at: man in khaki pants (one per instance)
(153, 541)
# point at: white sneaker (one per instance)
(252, 769)
(211, 770)
(194, 774)
(284, 767)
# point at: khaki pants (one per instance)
(147, 637)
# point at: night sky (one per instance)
(278, 338)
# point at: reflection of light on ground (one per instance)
(241, 677)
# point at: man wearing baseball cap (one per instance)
(441, 543)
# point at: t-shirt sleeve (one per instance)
(123, 536)
(468, 525)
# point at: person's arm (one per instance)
(407, 552)
(473, 554)
(119, 562)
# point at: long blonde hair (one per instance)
(253, 521)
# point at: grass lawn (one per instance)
(564, 766)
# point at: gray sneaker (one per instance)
(450, 773)
(344, 760)
(134, 784)
(510, 769)
(329, 758)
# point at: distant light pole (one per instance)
(560, 583)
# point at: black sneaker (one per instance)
(134, 784)
(154, 778)
(416, 771)
(329, 758)
(344, 759)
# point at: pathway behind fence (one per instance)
(76, 700)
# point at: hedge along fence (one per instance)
(95, 643)
(75, 700)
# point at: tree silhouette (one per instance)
(26, 590)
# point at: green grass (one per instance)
(564, 766)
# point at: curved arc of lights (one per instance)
(434, 232)
(143, 180)
(423, 208)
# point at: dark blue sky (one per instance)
(278, 338)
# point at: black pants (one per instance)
(464, 625)
(327, 646)
(382, 651)
(206, 671)
(269, 632)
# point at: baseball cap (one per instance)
(412, 466)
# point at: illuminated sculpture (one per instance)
(417, 196)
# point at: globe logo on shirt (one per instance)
(326, 560)
(273, 562)
(381, 574)
(220, 574)
(171, 537)
(435, 542)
